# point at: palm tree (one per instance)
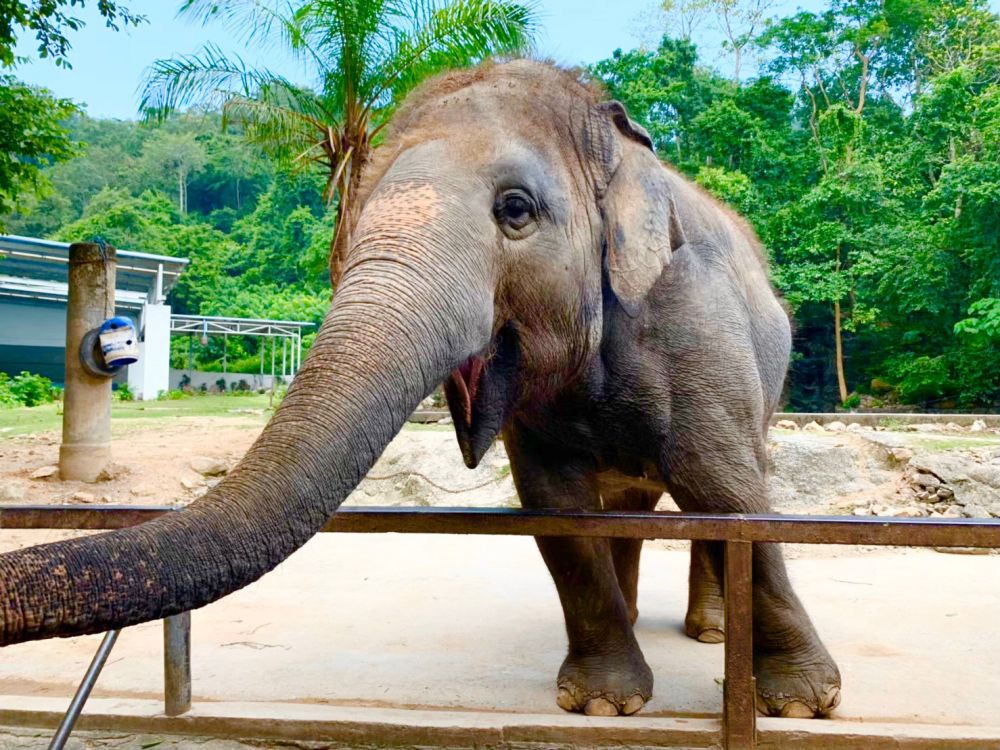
(364, 57)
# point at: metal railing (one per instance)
(738, 532)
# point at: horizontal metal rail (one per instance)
(737, 531)
(904, 532)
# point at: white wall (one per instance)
(32, 325)
(150, 376)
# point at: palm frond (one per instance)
(267, 22)
(457, 34)
(283, 133)
(207, 78)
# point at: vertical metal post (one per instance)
(284, 356)
(740, 690)
(177, 664)
(83, 692)
(299, 356)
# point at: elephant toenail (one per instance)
(600, 707)
(633, 704)
(711, 635)
(565, 700)
(831, 699)
(797, 710)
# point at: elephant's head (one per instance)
(508, 209)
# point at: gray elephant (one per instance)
(516, 238)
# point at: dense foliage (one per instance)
(866, 152)
(364, 56)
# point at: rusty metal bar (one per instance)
(739, 704)
(177, 664)
(83, 692)
(904, 532)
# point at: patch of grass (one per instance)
(29, 421)
(951, 443)
(24, 420)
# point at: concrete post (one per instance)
(86, 442)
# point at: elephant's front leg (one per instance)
(604, 672)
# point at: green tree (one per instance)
(31, 136)
(365, 55)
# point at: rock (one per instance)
(974, 510)
(908, 513)
(854, 427)
(446, 420)
(944, 493)
(45, 472)
(978, 426)
(953, 427)
(786, 424)
(105, 499)
(189, 483)
(11, 493)
(82, 497)
(209, 467)
(900, 455)
(814, 427)
(971, 481)
(926, 427)
(836, 426)
(926, 481)
(112, 472)
(808, 471)
(862, 511)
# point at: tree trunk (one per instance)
(839, 345)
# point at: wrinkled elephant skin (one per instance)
(516, 239)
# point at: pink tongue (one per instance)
(466, 377)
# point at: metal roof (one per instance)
(33, 268)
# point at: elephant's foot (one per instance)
(604, 685)
(800, 688)
(705, 621)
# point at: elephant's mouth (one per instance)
(480, 392)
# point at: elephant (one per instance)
(516, 239)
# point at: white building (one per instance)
(33, 290)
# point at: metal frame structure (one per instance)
(738, 532)
(36, 270)
(289, 331)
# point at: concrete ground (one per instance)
(397, 626)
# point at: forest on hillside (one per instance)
(862, 142)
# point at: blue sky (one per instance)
(108, 66)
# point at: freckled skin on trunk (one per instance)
(398, 325)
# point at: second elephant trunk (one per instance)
(395, 329)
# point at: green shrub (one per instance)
(32, 390)
(124, 393)
(7, 399)
(853, 401)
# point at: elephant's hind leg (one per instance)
(626, 552)
(705, 619)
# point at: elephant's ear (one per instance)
(641, 225)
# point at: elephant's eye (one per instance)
(514, 211)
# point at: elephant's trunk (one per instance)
(402, 319)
